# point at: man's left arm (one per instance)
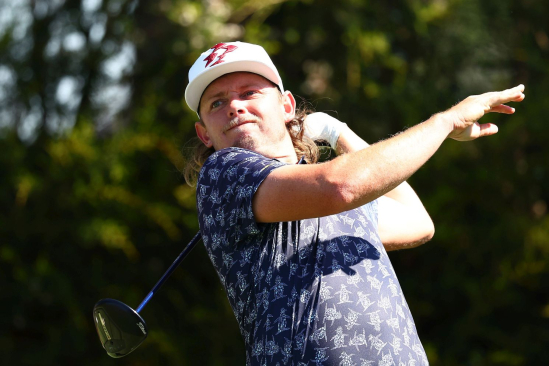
(403, 221)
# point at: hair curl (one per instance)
(198, 153)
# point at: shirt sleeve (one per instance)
(226, 185)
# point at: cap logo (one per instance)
(220, 46)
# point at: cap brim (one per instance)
(196, 88)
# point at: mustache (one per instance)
(238, 120)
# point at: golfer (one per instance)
(301, 248)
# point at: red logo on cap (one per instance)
(213, 55)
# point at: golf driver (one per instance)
(120, 328)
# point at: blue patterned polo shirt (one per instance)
(316, 292)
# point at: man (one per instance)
(301, 248)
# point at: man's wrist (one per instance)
(445, 121)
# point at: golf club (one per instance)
(120, 328)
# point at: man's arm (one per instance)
(403, 221)
(306, 191)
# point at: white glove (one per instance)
(321, 126)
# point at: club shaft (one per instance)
(174, 265)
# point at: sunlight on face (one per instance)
(242, 110)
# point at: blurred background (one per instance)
(93, 125)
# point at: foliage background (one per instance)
(93, 122)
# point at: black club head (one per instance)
(120, 328)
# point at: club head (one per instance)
(120, 328)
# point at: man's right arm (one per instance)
(305, 191)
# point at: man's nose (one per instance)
(236, 107)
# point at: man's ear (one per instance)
(288, 102)
(202, 134)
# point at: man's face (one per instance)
(244, 110)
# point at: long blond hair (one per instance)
(198, 153)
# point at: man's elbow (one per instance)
(420, 235)
(430, 232)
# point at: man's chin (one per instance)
(246, 142)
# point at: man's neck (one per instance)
(284, 152)
(288, 159)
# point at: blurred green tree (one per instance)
(92, 125)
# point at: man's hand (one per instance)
(465, 115)
(321, 126)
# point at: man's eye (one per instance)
(249, 92)
(216, 104)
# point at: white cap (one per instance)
(224, 58)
